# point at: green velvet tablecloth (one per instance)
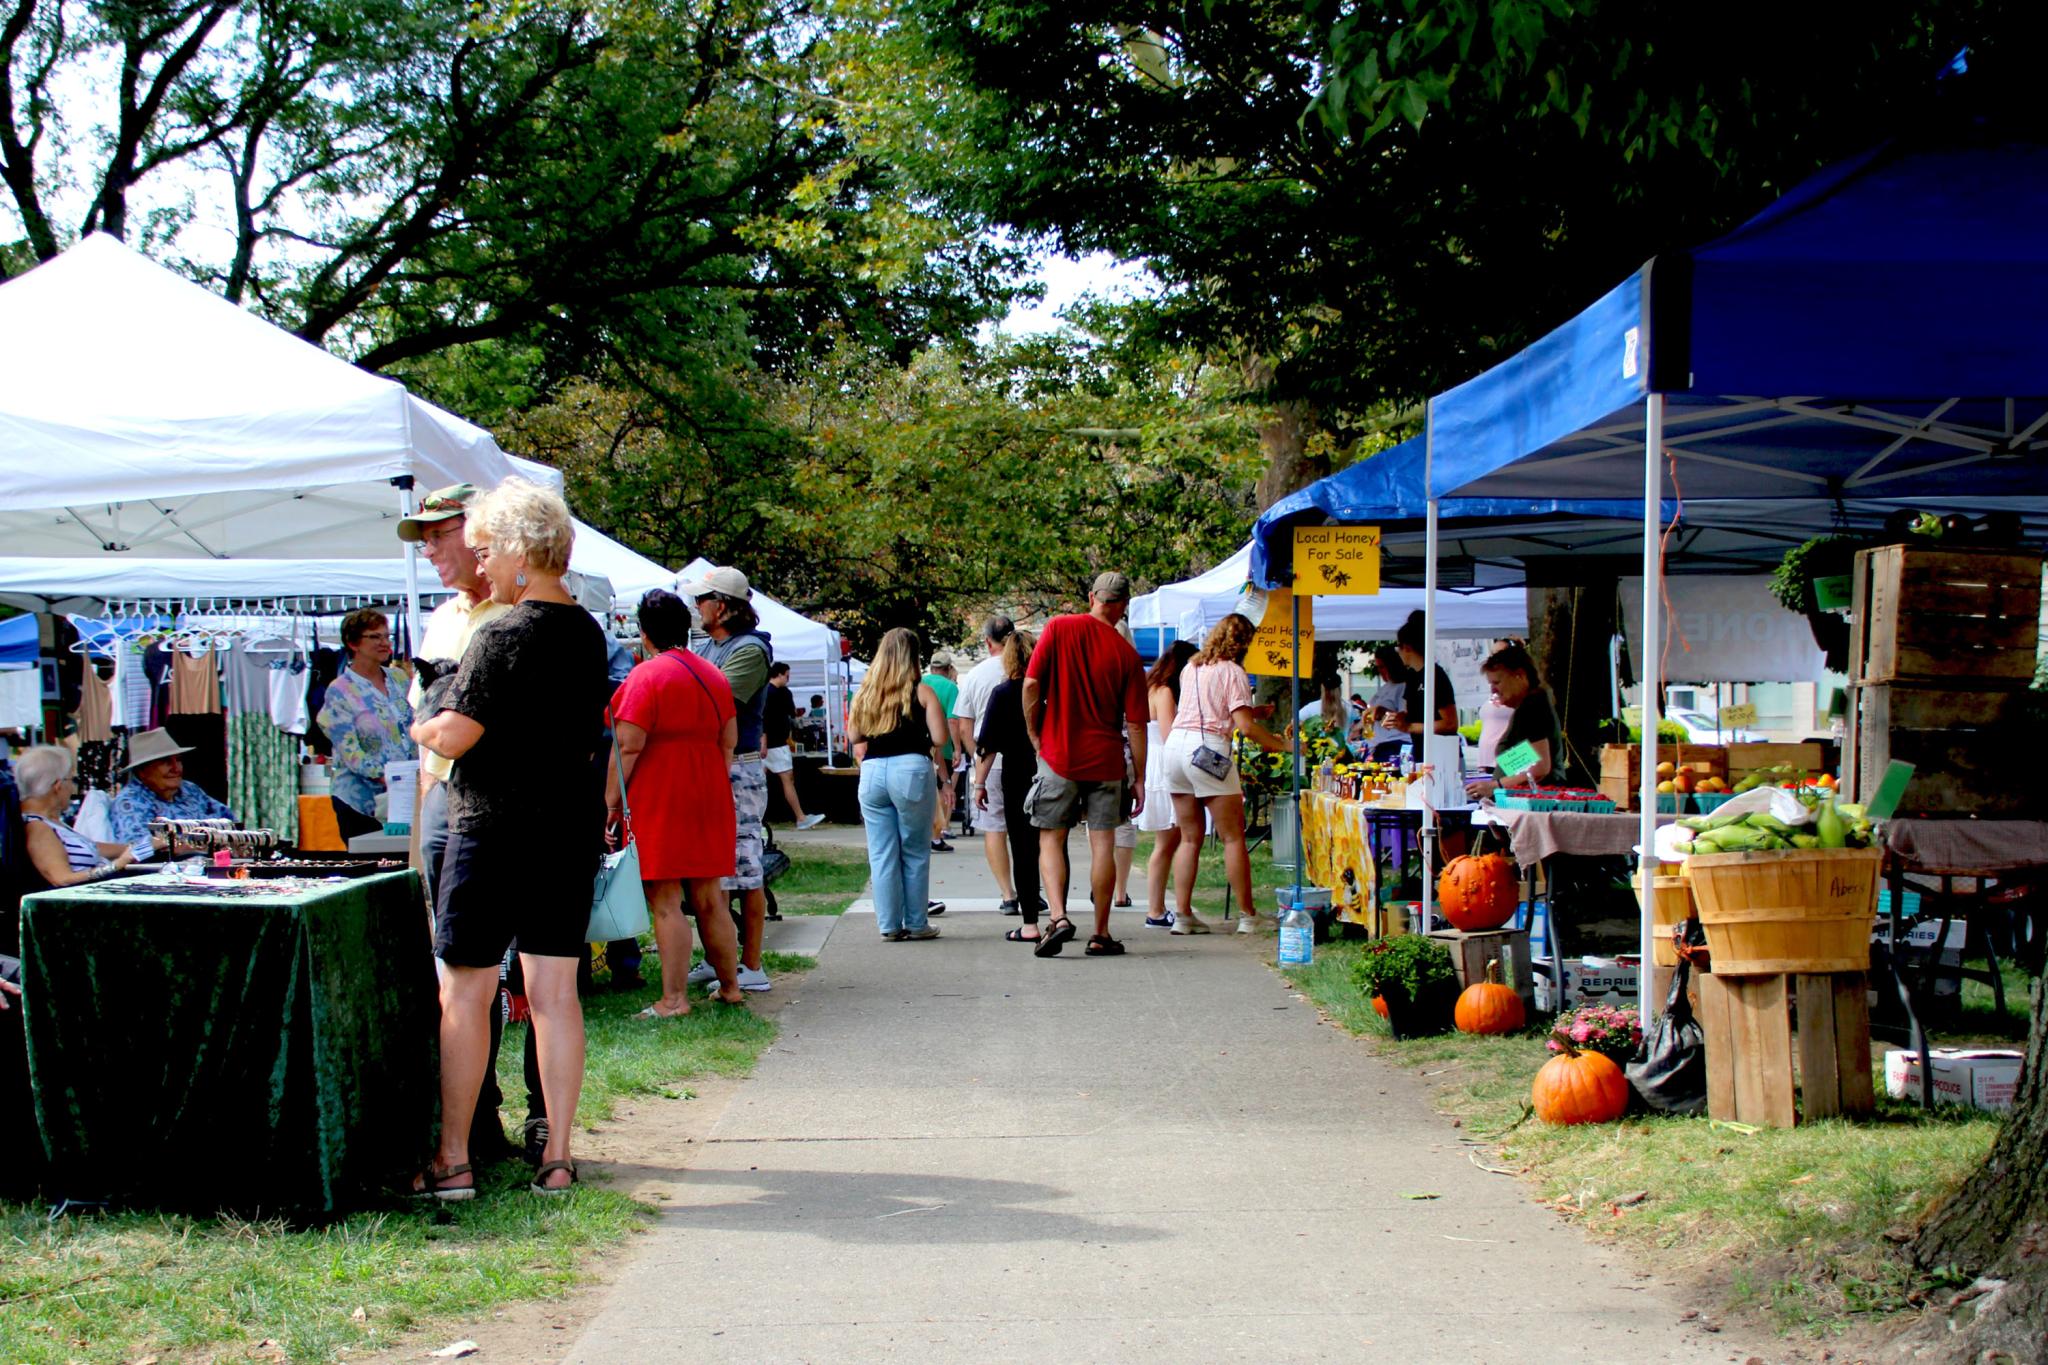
(272, 1054)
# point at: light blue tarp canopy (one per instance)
(19, 641)
(1875, 334)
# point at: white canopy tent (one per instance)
(143, 415)
(1194, 605)
(61, 580)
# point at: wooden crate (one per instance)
(1970, 750)
(1964, 617)
(1744, 759)
(1471, 952)
(1747, 1023)
(1621, 768)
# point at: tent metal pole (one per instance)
(1652, 679)
(412, 565)
(1294, 600)
(1428, 832)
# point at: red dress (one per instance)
(681, 794)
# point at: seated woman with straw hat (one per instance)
(156, 789)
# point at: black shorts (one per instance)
(497, 893)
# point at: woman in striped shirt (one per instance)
(57, 853)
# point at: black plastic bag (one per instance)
(1669, 1073)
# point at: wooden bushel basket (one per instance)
(1674, 906)
(1797, 910)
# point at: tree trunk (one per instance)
(1569, 631)
(1283, 440)
(1996, 1228)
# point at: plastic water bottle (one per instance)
(1297, 936)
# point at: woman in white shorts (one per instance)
(1162, 699)
(1215, 699)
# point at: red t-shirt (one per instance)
(1093, 686)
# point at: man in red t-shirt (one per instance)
(1083, 688)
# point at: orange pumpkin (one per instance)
(1579, 1087)
(1478, 891)
(1489, 1007)
(1379, 1006)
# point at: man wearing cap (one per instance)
(943, 684)
(981, 681)
(156, 789)
(437, 529)
(742, 651)
(1083, 690)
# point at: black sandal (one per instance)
(1017, 936)
(1054, 937)
(431, 1184)
(1102, 945)
(540, 1178)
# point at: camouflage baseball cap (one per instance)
(439, 505)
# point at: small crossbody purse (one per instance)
(1214, 762)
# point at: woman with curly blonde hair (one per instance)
(898, 729)
(523, 721)
(1215, 700)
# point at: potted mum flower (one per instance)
(1416, 978)
(1614, 1031)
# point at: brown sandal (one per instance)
(540, 1185)
(431, 1184)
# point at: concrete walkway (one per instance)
(958, 1152)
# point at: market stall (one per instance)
(1855, 352)
(244, 1045)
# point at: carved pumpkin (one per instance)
(1478, 892)
(1489, 1007)
(1579, 1087)
(1379, 1006)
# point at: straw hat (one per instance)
(151, 745)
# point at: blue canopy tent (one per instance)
(1874, 336)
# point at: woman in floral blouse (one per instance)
(367, 718)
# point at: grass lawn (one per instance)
(124, 1286)
(821, 880)
(1793, 1221)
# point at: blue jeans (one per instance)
(897, 799)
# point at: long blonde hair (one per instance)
(890, 687)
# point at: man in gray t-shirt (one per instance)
(991, 819)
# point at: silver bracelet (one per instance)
(104, 870)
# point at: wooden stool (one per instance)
(1748, 1025)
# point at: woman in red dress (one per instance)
(676, 729)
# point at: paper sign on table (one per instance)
(1272, 651)
(1342, 561)
(1512, 762)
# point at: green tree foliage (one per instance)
(1383, 196)
(542, 190)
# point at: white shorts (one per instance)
(1185, 779)
(778, 759)
(991, 820)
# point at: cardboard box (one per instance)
(1590, 981)
(1947, 977)
(1983, 1078)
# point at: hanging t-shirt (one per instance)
(131, 687)
(245, 678)
(21, 698)
(195, 685)
(95, 708)
(289, 711)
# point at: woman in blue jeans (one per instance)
(898, 730)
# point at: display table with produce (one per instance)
(1785, 886)
(262, 1045)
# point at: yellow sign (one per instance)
(1337, 561)
(1733, 716)
(1272, 651)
